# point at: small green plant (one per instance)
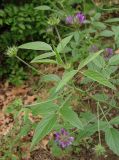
(65, 90)
(82, 53)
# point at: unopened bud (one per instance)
(12, 51)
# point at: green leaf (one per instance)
(99, 25)
(106, 33)
(115, 120)
(87, 117)
(111, 20)
(98, 77)
(112, 139)
(100, 97)
(24, 130)
(90, 129)
(108, 70)
(43, 128)
(43, 108)
(99, 61)
(44, 61)
(58, 57)
(50, 77)
(65, 79)
(42, 56)
(97, 16)
(70, 116)
(114, 60)
(56, 150)
(63, 43)
(38, 45)
(43, 8)
(89, 59)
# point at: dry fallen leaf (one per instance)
(117, 51)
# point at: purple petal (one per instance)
(57, 136)
(64, 132)
(93, 48)
(81, 17)
(109, 53)
(71, 139)
(69, 20)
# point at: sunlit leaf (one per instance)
(38, 45)
(43, 8)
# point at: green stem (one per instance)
(103, 114)
(99, 135)
(34, 69)
(68, 97)
(59, 37)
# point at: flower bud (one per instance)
(53, 21)
(99, 150)
(12, 51)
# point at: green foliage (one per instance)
(96, 67)
(43, 128)
(111, 137)
(20, 24)
(70, 116)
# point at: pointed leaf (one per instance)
(111, 20)
(115, 120)
(65, 79)
(44, 108)
(63, 43)
(89, 59)
(99, 62)
(50, 77)
(43, 128)
(42, 56)
(106, 33)
(98, 77)
(70, 116)
(43, 8)
(44, 61)
(38, 45)
(112, 139)
(58, 57)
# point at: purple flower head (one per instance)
(93, 49)
(63, 138)
(80, 17)
(108, 53)
(69, 20)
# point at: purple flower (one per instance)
(93, 48)
(63, 138)
(108, 53)
(69, 20)
(81, 17)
